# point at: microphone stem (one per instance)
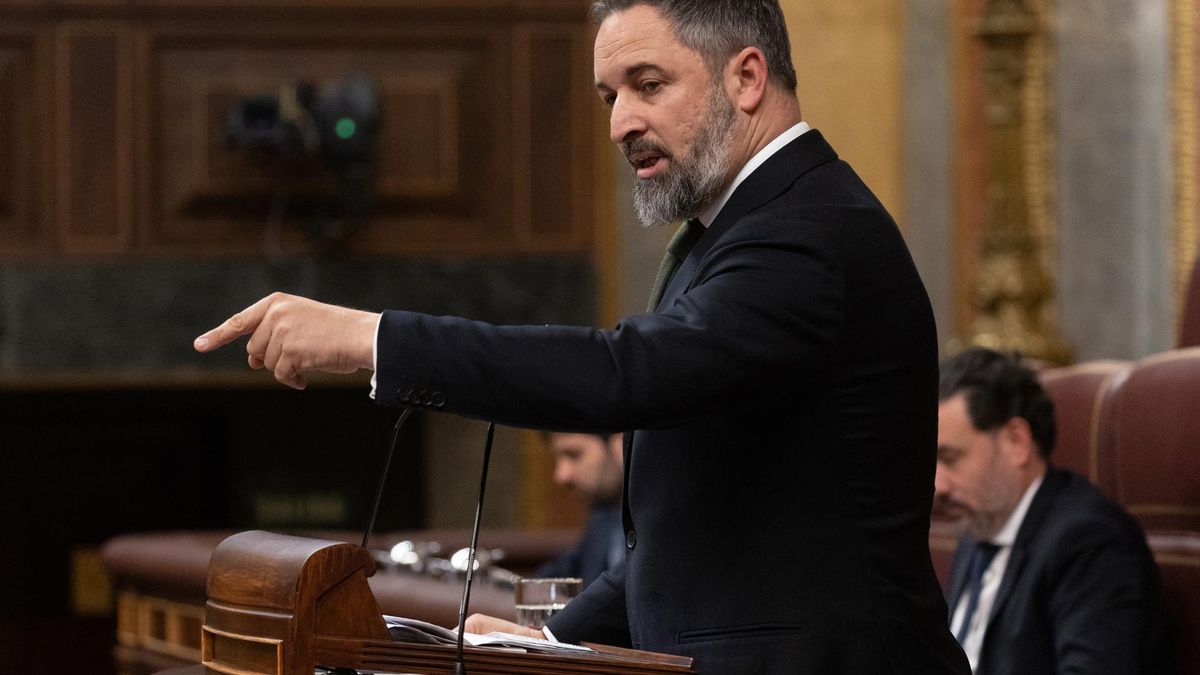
(460, 667)
(387, 465)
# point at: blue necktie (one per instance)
(981, 558)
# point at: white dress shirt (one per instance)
(709, 215)
(992, 576)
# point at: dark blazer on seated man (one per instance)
(1053, 577)
(595, 551)
(1080, 593)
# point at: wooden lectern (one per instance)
(283, 605)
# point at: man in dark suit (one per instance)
(1052, 577)
(782, 389)
(592, 466)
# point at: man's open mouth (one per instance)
(647, 163)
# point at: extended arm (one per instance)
(761, 314)
(292, 336)
(764, 310)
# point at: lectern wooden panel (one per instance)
(283, 605)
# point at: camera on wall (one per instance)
(334, 125)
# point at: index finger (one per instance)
(242, 323)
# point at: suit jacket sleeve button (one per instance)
(631, 539)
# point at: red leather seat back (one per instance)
(1149, 440)
(1077, 392)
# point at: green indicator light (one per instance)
(345, 128)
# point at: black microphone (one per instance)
(387, 465)
(460, 668)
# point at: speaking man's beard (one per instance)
(692, 182)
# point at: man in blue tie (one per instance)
(1052, 576)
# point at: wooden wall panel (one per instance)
(22, 171)
(93, 196)
(441, 181)
(471, 9)
(421, 133)
(849, 59)
(112, 140)
(552, 94)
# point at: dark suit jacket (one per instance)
(784, 393)
(1080, 593)
(590, 557)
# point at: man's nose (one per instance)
(941, 482)
(562, 474)
(625, 123)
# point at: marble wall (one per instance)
(1110, 93)
(928, 114)
(80, 317)
(1115, 177)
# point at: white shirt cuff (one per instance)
(375, 356)
(549, 635)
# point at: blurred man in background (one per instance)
(592, 466)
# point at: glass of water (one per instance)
(538, 599)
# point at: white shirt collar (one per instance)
(1008, 534)
(709, 215)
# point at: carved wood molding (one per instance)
(1004, 147)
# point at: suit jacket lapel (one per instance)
(1026, 535)
(766, 183)
(1012, 572)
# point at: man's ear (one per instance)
(746, 76)
(616, 447)
(1017, 440)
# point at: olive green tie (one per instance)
(683, 241)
